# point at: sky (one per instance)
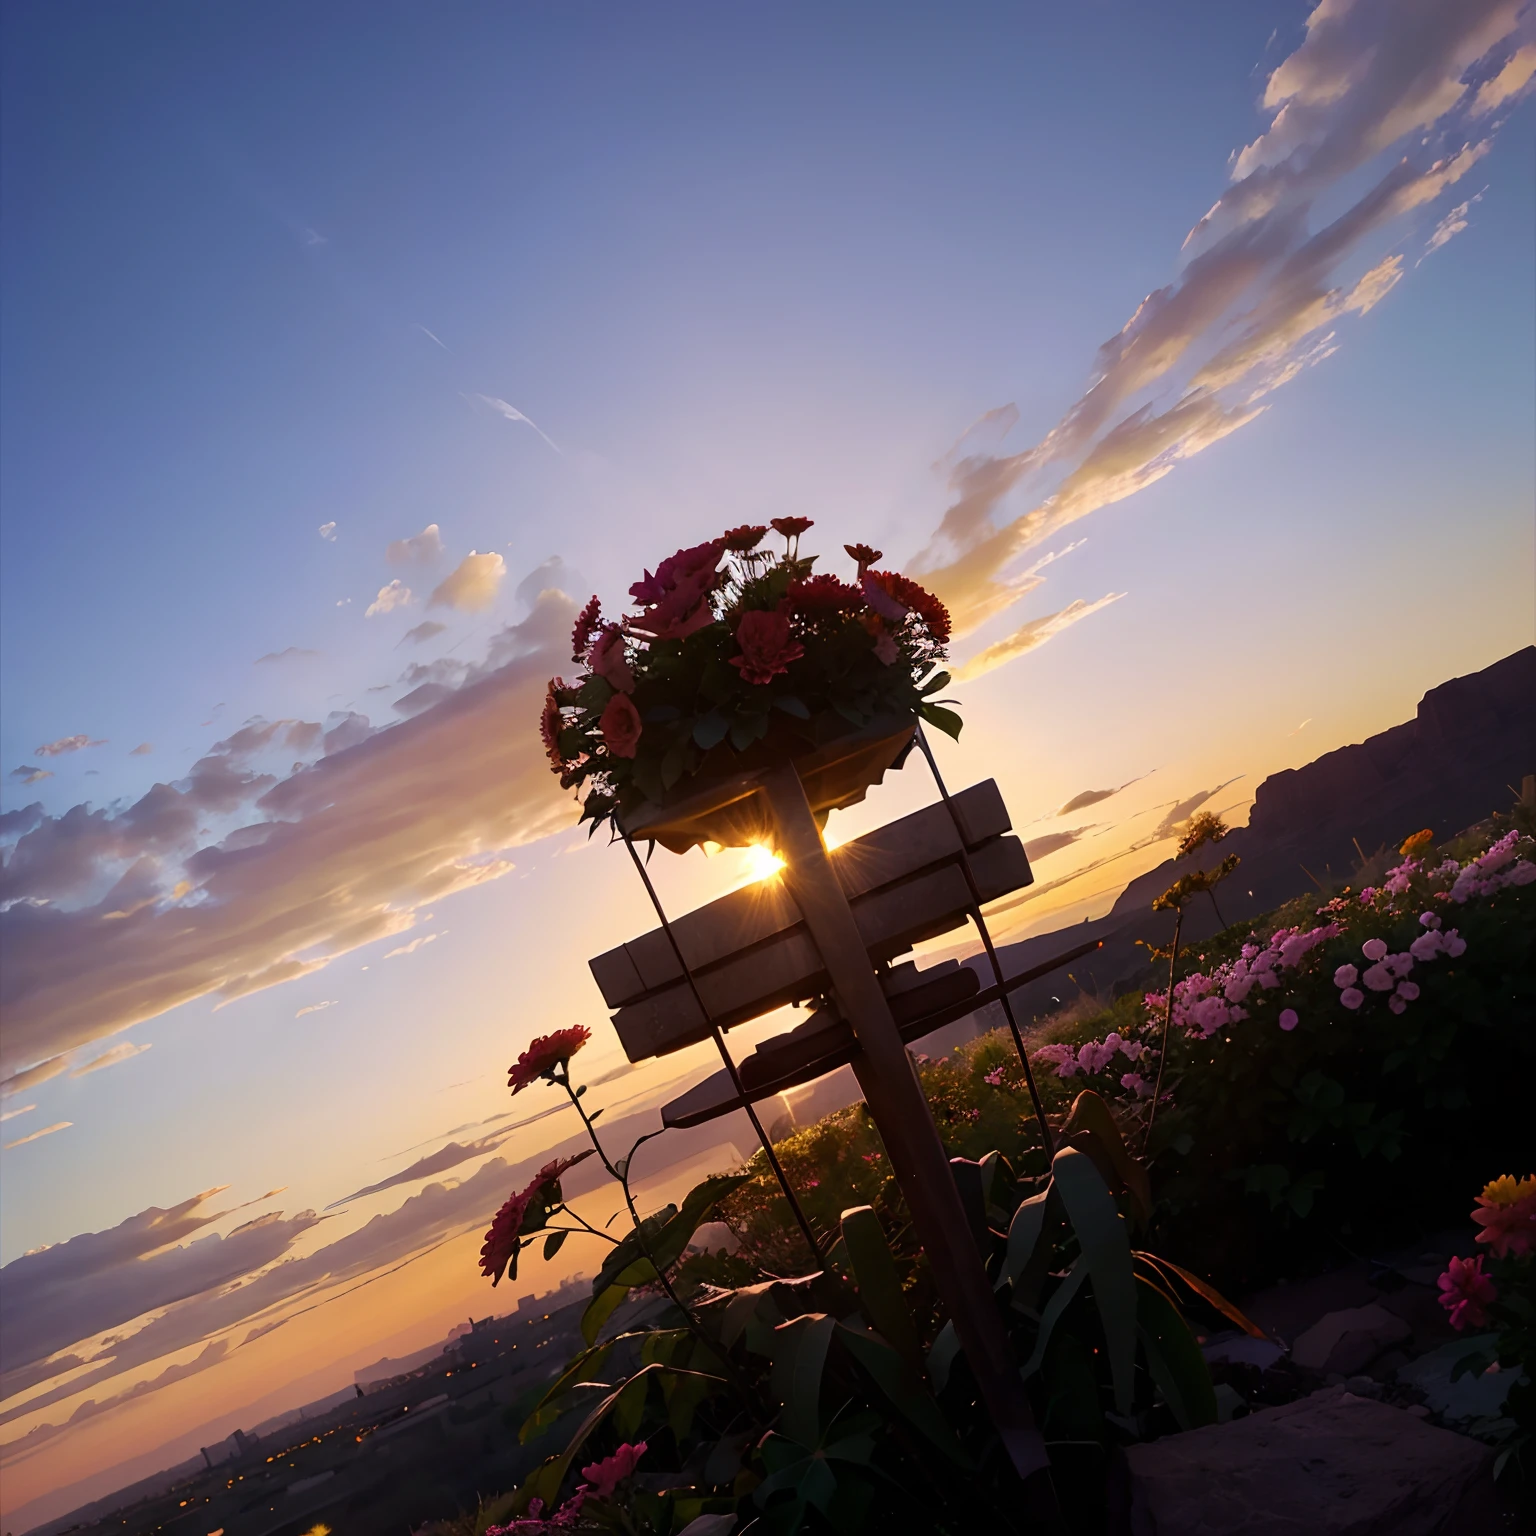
(1185, 351)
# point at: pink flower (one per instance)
(1429, 920)
(1426, 946)
(1466, 1292)
(609, 662)
(620, 725)
(1379, 977)
(1453, 943)
(1374, 949)
(544, 1055)
(1351, 997)
(1137, 1084)
(1408, 991)
(994, 1077)
(767, 647)
(501, 1242)
(885, 649)
(1396, 1004)
(1506, 1211)
(1289, 1018)
(883, 603)
(606, 1475)
(1345, 976)
(677, 594)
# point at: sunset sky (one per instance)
(1186, 351)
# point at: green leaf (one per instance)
(1023, 1235)
(746, 729)
(1061, 1298)
(684, 1396)
(942, 719)
(583, 1368)
(629, 1406)
(799, 1357)
(791, 705)
(1106, 1245)
(1174, 1358)
(675, 1236)
(895, 1377)
(553, 1241)
(941, 1358)
(934, 684)
(600, 1309)
(709, 730)
(874, 1272)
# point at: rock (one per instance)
(1472, 1395)
(1242, 1349)
(1332, 1464)
(1346, 1342)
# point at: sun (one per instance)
(761, 863)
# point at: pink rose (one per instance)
(620, 725)
(767, 647)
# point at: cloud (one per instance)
(143, 749)
(327, 532)
(412, 947)
(19, 1082)
(395, 595)
(1053, 842)
(339, 853)
(1089, 797)
(1028, 636)
(512, 413)
(1509, 83)
(28, 774)
(420, 549)
(67, 744)
(291, 653)
(1450, 226)
(434, 336)
(472, 587)
(444, 1158)
(11, 1114)
(317, 1007)
(1172, 824)
(1300, 728)
(1260, 295)
(119, 1053)
(47, 1130)
(422, 632)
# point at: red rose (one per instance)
(893, 596)
(608, 660)
(791, 527)
(549, 727)
(499, 1251)
(741, 541)
(620, 725)
(767, 647)
(545, 1054)
(677, 595)
(820, 596)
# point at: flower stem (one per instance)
(1162, 1060)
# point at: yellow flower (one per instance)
(1417, 844)
(1505, 1191)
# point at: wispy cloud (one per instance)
(328, 532)
(11, 1114)
(512, 413)
(422, 632)
(288, 653)
(143, 749)
(47, 1130)
(67, 744)
(1031, 635)
(432, 334)
(1300, 728)
(412, 947)
(29, 773)
(1450, 226)
(119, 1053)
(395, 595)
(317, 1007)
(420, 549)
(1261, 295)
(472, 585)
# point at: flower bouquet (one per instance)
(739, 658)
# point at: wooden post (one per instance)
(901, 1113)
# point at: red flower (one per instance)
(608, 660)
(744, 539)
(620, 725)
(1465, 1292)
(606, 1475)
(862, 555)
(676, 596)
(767, 647)
(549, 727)
(820, 596)
(893, 596)
(587, 623)
(791, 527)
(498, 1254)
(545, 1054)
